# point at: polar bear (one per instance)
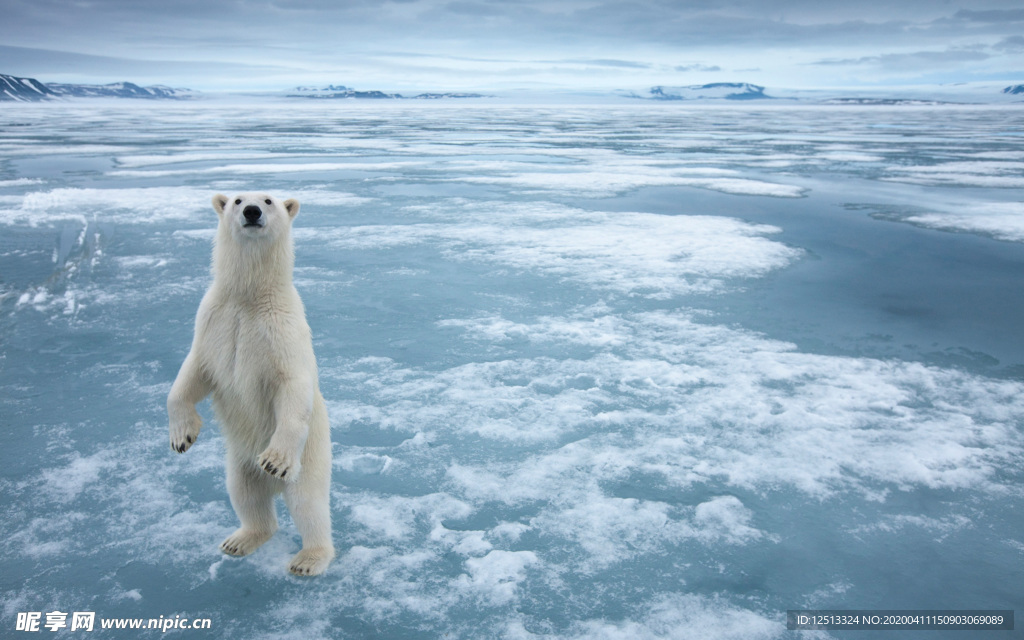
(253, 351)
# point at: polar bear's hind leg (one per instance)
(309, 505)
(313, 521)
(252, 495)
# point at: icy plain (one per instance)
(593, 371)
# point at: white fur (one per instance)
(253, 351)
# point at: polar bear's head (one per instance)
(255, 215)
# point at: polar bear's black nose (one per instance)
(252, 214)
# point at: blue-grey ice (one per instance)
(594, 371)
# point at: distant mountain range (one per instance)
(31, 90)
(16, 89)
(332, 92)
(886, 102)
(713, 91)
(745, 91)
(329, 88)
(119, 90)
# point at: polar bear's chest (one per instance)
(241, 352)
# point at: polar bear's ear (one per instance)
(219, 202)
(291, 205)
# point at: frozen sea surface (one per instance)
(631, 371)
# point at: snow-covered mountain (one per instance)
(343, 92)
(885, 102)
(449, 94)
(119, 90)
(910, 95)
(30, 90)
(713, 91)
(328, 89)
(23, 89)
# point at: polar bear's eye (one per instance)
(239, 201)
(267, 201)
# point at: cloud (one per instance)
(916, 61)
(280, 43)
(621, 64)
(997, 16)
(697, 67)
(33, 61)
(524, 24)
(1013, 44)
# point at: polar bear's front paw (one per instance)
(279, 464)
(185, 431)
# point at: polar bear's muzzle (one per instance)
(252, 215)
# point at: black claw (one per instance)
(284, 473)
(189, 438)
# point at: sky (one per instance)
(473, 45)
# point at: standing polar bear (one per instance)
(253, 351)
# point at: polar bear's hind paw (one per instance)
(311, 562)
(244, 541)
